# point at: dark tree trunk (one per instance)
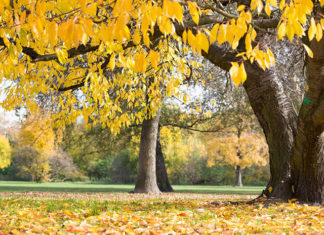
(161, 173)
(278, 119)
(276, 116)
(238, 176)
(146, 175)
(307, 161)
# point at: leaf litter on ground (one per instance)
(169, 213)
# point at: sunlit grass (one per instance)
(88, 187)
(148, 214)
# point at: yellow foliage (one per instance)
(178, 146)
(37, 132)
(243, 151)
(59, 44)
(5, 152)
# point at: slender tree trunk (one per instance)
(146, 175)
(307, 161)
(238, 176)
(161, 173)
(238, 170)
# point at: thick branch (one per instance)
(72, 87)
(192, 129)
(73, 52)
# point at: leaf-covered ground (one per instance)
(34, 213)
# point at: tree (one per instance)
(62, 167)
(108, 32)
(36, 143)
(5, 152)
(30, 162)
(161, 171)
(240, 150)
(36, 131)
(100, 155)
(146, 181)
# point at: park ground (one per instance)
(99, 208)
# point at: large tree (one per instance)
(44, 41)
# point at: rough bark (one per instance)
(238, 176)
(307, 161)
(146, 175)
(275, 114)
(161, 173)
(278, 120)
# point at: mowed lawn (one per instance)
(85, 208)
(83, 187)
(173, 213)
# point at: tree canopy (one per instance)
(120, 51)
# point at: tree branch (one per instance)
(192, 129)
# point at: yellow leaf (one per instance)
(185, 100)
(137, 37)
(221, 38)
(203, 41)
(184, 37)
(242, 73)
(312, 30)
(111, 64)
(62, 55)
(273, 3)
(166, 26)
(178, 11)
(194, 12)
(309, 51)
(191, 39)
(234, 70)
(319, 32)
(270, 189)
(213, 34)
(282, 4)
(267, 9)
(248, 43)
(241, 7)
(281, 30)
(290, 32)
(140, 63)
(155, 58)
(271, 57)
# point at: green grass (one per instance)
(87, 187)
(165, 213)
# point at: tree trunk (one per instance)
(161, 173)
(238, 176)
(239, 155)
(275, 114)
(278, 119)
(146, 175)
(307, 161)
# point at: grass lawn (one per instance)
(82, 187)
(85, 208)
(176, 213)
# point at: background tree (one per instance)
(5, 152)
(30, 162)
(36, 143)
(62, 167)
(241, 151)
